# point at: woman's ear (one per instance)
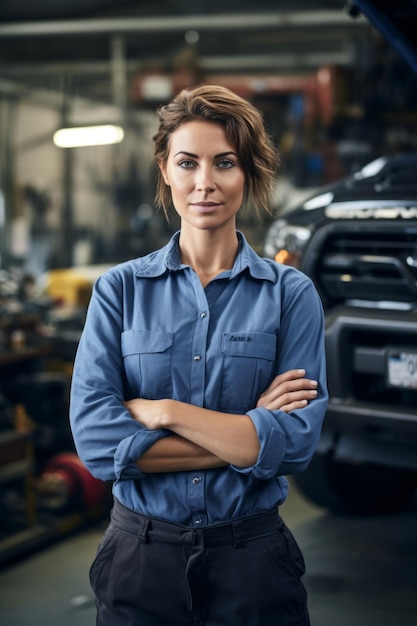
(162, 168)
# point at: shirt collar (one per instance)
(168, 259)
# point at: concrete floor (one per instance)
(360, 572)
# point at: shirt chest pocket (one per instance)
(147, 359)
(248, 367)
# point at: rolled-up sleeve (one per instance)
(288, 440)
(107, 439)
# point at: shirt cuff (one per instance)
(131, 449)
(272, 443)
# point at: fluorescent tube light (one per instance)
(99, 135)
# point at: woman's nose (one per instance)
(205, 179)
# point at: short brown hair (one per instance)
(244, 127)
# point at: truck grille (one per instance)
(366, 263)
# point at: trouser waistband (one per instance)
(235, 532)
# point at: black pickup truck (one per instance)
(357, 240)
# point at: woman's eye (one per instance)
(186, 164)
(225, 164)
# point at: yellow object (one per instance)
(69, 288)
(73, 286)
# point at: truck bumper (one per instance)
(367, 419)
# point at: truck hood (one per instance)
(395, 20)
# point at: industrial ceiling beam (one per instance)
(207, 63)
(218, 22)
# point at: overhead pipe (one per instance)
(206, 63)
(219, 22)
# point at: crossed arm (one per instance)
(204, 439)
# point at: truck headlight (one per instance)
(285, 242)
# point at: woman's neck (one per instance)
(207, 254)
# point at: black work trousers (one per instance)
(246, 572)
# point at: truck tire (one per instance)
(356, 489)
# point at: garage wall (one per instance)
(108, 182)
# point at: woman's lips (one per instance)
(204, 207)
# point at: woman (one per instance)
(199, 383)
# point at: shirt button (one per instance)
(196, 480)
(197, 521)
(203, 314)
(197, 357)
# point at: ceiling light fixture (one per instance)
(81, 136)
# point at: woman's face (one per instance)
(203, 171)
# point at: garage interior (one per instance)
(335, 95)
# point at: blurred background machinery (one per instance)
(45, 491)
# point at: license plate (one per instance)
(402, 369)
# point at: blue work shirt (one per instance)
(153, 331)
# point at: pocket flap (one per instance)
(145, 341)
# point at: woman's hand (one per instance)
(149, 413)
(289, 391)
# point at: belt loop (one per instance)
(237, 533)
(143, 529)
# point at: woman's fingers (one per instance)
(298, 398)
(293, 406)
(285, 381)
(293, 398)
(289, 391)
